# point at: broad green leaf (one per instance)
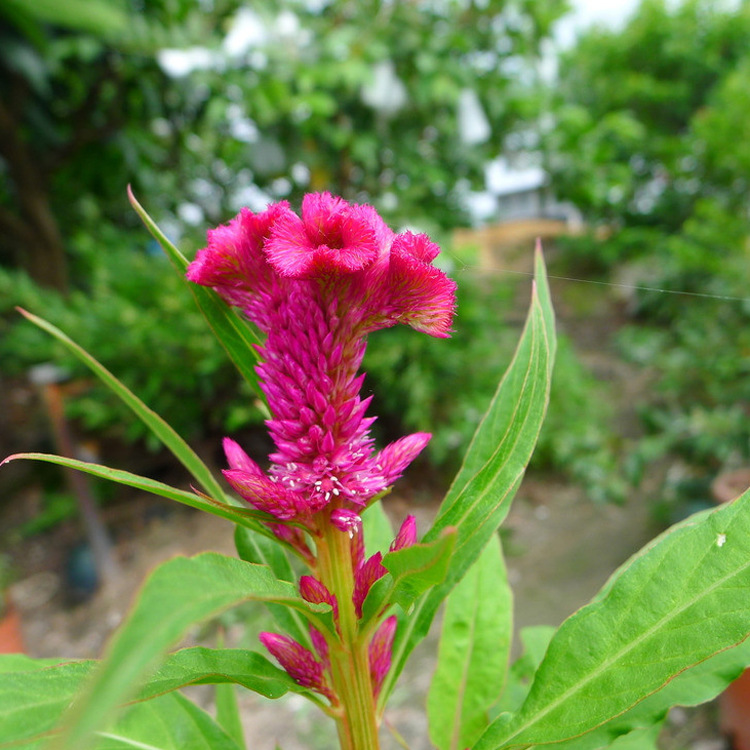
(411, 571)
(228, 709)
(682, 600)
(35, 692)
(33, 695)
(21, 663)
(179, 593)
(234, 333)
(218, 666)
(415, 569)
(181, 450)
(473, 653)
(263, 551)
(171, 722)
(480, 496)
(242, 516)
(694, 686)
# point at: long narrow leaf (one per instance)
(480, 496)
(473, 653)
(228, 713)
(245, 517)
(671, 607)
(181, 450)
(235, 334)
(179, 593)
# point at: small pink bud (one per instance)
(263, 493)
(238, 459)
(315, 592)
(367, 573)
(396, 456)
(407, 534)
(320, 645)
(298, 661)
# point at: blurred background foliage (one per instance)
(650, 138)
(208, 105)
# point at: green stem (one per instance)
(350, 662)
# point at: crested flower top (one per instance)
(316, 285)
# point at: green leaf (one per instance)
(179, 593)
(692, 687)
(480, 496)
(228, 713)
(675, 604)
(35, 692)
(263, 551)
(234, 333)
(473, 653)
(413, 570)
(639, 739)
(80, 15)
(227, 708)
(211, 666)
(181, 450)
(242, 516)
(171, 722)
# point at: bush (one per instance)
(138, 318)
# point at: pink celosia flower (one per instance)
(316, 285)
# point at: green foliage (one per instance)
(479, 498)
(622, 647)
(179, 593)
(667, 628)
(631, 143)
(140, 342)
(653, 148)
(473, 655)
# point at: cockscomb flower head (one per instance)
(316, 285)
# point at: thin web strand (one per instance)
(465, 267)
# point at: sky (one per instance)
(587, 12)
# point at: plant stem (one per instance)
(350, 662)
